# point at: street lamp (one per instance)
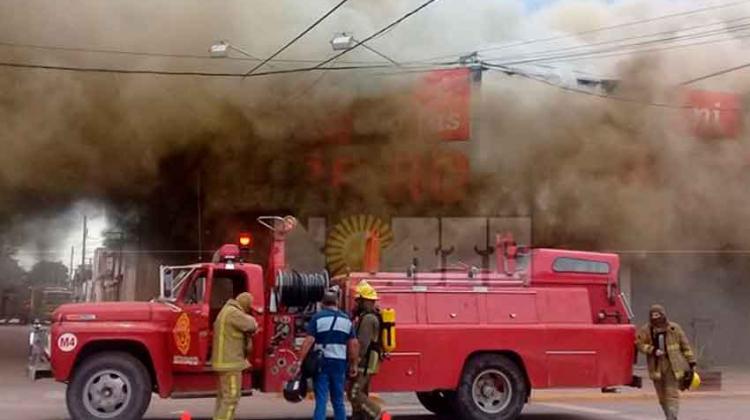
(220, 49)
(343, 41)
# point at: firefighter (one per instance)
(331, 333)
(668, 353)
(232, 345)
(368, 335)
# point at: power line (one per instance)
(543, 54)
(319, 66)
(376, 34)
(298, 37)
(181, 73)
(714, 74)
(584, 92)
(618, 48)
(615, 53)
(621, 98)
(158, 54)
(596, 30)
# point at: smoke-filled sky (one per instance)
(605, 173)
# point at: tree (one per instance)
(48, 273)
(11, 273)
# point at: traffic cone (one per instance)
(186, 416)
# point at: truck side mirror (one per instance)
(167, 279)
(611, 288)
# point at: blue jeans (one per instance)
(331, 379)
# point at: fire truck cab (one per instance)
(473, 342)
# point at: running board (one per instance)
(204, 394)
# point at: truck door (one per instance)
(190, 330)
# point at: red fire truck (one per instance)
(471, 342)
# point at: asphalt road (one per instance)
(45, 400)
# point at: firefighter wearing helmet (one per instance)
(668, 354)
(367, 326)
(232, 343)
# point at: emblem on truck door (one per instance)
(181, 333)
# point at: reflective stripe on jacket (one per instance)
(230, 344)
(678, 350)
(331, 338)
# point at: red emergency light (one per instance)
(245, 240)
(227, 253)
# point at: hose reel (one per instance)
(298, 289)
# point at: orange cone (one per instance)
(186, 416)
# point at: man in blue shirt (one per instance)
(331, 332)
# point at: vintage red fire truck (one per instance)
(471, 342)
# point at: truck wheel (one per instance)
(492, 387)
(438, 402)
(112, 386)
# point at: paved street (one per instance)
(45, 400)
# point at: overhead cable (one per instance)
(178, 73)
(715, 74)
(670, 33)
(298, 37)
(585, 92)
(376, 34)
(616, 53)
(596, 30)
(595, 52)
(157, 54)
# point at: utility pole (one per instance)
(72, 269)
(83, 246)
(200, 216)
(82, 277)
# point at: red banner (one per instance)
(714, 115)
(444, 97)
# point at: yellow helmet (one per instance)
(695, 383)
(366, 291)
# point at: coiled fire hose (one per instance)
(296, 289)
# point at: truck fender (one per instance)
(159, 370)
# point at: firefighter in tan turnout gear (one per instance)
(232, 343)
(367, 328)
(670, 359)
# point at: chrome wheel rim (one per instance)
(107, 394)
(491, 391)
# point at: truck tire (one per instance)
(492, 387)
(112, 386)
(438, 402)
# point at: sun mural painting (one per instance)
(345, 245)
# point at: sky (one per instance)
(66, 229)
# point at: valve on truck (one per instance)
(388, 329)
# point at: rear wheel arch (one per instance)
(510, 354)
(133, 347)
(493, 386)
